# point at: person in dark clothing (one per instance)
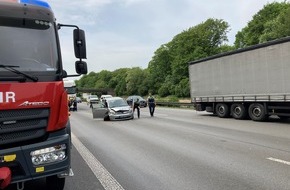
(72, 104)
(75, 105)
(136, 105)
(105, 103)
(151, 104)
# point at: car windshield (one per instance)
(29, 45)
(93, 96)
(117, 103)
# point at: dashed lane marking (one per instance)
(105, 178)
(279, 160)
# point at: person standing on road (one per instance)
(151, 104)
(136, 105)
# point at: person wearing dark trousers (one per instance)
(151, 104)
(136, 105)
(75, 105)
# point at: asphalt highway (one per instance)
(177, 149)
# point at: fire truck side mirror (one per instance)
(64, 74)
(80, 44)
(81, 67)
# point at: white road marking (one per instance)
(105, 178)
(279, 160)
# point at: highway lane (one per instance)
(182, 149)
(178, 149)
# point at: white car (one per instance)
(79, 100)
(115, 108)
(92, 99)
(104, 97)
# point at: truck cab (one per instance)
(35, 129)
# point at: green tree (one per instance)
(182, 89)
(87, 81)
(103, 78)
(134, 79)
(265, 25)
(167, 88)
(158, 68)
(277, 28)
(118, 81)
(168, 68)
(145, 84)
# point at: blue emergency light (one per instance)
(36, 2)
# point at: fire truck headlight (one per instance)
(48, 155)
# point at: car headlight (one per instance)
(48, 155)
(112, 112)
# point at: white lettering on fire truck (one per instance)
(27, 103)
(6, 97)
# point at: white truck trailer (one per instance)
(253, 81)
(71, 89)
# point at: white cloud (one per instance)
(125, 33)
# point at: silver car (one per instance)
(114, 108)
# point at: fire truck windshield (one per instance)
(29, 44)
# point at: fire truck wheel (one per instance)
(55, 183)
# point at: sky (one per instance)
(126, 33)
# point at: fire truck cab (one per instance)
(35, 130)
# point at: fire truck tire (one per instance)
(55, 183)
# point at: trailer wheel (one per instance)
(55, 183)
(238, 111)
(257, 112)
(222, 110)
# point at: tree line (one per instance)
(167, 72)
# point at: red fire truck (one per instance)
(34, 122)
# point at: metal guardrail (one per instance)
(175, 104)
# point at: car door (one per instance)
(99, 110)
